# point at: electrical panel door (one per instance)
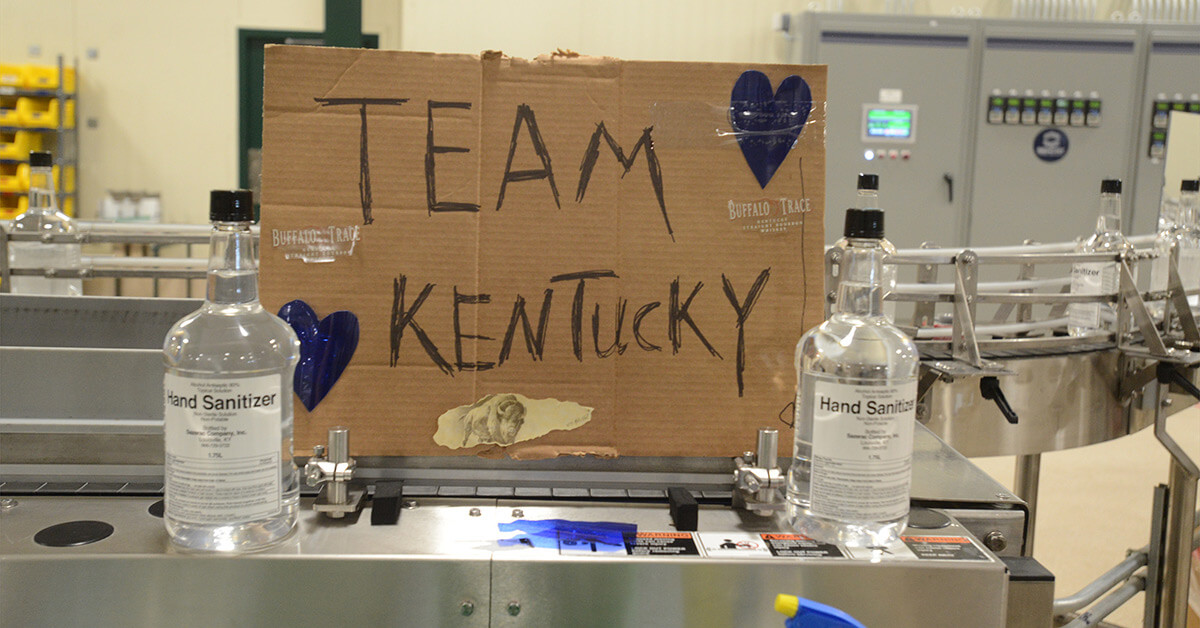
(898, 106)
(1059, 110)
(1172, 83)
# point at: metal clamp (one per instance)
(758, 480)
(337, 498)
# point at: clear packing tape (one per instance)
(692, 124)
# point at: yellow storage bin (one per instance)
(46, 77)
(22, 182)
(17, 144)
(10, 177)
(8, 111)
(11, 205)
(43, 113)
(11, 75)
(64, 181)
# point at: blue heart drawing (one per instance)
(326, 346)
(767, 124)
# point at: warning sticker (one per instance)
(734, 545)
(661, 544)
(800, 546)
(944, 548)
(893, 551)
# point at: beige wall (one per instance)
(162, 88)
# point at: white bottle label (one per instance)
(1189, 271)
(1096, 278)
(1159, 272)
(223, 443)
(862, 449)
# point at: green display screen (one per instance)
(890, 123)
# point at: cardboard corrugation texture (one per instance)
(659, 392)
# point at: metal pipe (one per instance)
(1177, 550)
(768, 448)
(1029, 470)
(989, 330)
(1090, 593)
(177, 263)
(339, 453)
(1112, 602)
(948, 288)
(1052, 247)
(1021, 298)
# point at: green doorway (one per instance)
(250, 93)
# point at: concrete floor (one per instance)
(1095, 503)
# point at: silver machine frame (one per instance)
(86, 445)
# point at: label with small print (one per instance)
(1159, 273)
(1189, 270)
(223, 442)
(862, 448)
(800, 546)
(661, 544)
(1092, 278)
(1188, 265)
(943, 548)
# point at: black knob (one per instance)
(989, 387)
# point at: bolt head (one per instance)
(7, 503)
(409, 504)
(517, 513)
(995, 541)
(514, 608)
(475, 512)
(467, 609)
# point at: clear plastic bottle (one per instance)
(231, 482)
(855, 407)
(43, 217)
(1099, 277)
(868, 198)
(1189, 253)
(1178, 235)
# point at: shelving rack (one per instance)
(65, 133)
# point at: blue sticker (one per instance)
(767, 124)
(326, 346)
(597, 536)
(1050, 145)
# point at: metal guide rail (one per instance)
(111, 266)
(1002, 375)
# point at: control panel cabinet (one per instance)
(1058, 114)
(1172, 84)
(896, 107)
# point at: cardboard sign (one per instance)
(546, 257)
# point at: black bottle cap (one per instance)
(1190, 185)
(1110, 186)
(231, 206)
(864, 223)
(868, 181)
(40, 159)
